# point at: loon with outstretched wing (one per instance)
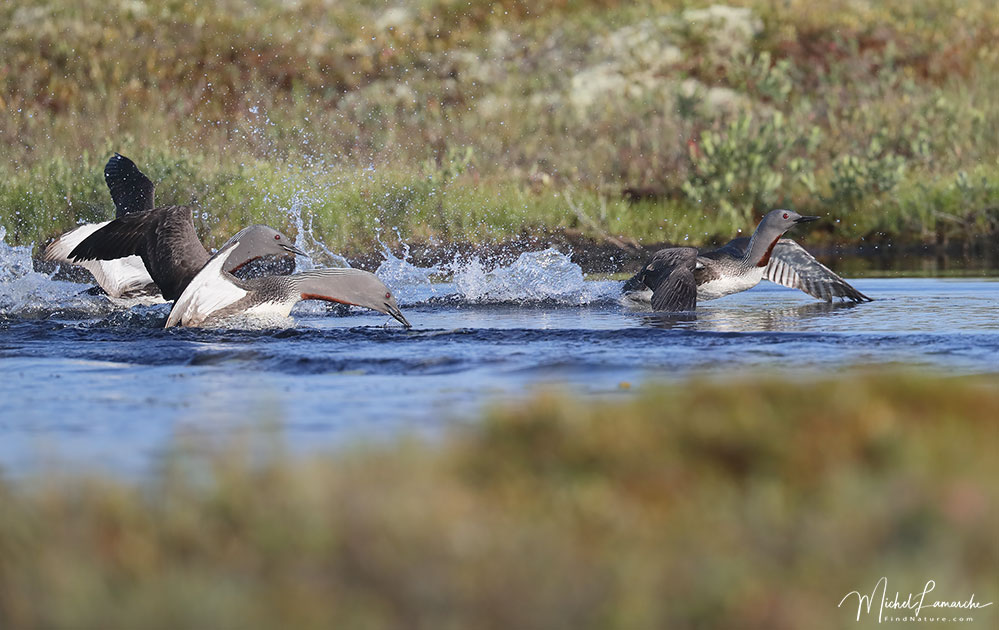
(676, 278)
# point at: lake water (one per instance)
(86, 382)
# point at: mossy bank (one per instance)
(667, 121)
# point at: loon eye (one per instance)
(277, 237)
(388, 295)
(785, 216)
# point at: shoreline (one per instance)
(597, 257)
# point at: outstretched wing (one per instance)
(59, 249)
(791, 266)
(165, 239)
(130, 189)
(125, 236)
(118, 278)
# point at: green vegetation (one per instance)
(470, 120)
(750, 504)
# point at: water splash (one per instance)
(305, 239)
(28, 294)
(245, 321)
(15, 262)
(545, 276)
(542, 276)
(409, 282)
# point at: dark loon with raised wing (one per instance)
(165, 240)
(146, 252)
(126, 277)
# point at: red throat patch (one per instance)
(243, 264)
(766, 257)
(316, 296)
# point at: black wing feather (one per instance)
(165, 239)
(130, 189)
(125, 236)
(678, 293)
(670, 275)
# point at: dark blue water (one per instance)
(85, 382)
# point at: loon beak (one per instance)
(294, 250)
(397, 314)
(806, 219)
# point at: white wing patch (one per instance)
(117, 277)
(209, 292)
(59, 249)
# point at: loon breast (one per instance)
(729, 283)
(271, 308)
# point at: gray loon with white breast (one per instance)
(214, 294)
(676, 278)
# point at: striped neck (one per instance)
(761, 246)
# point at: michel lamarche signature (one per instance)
(914, 602)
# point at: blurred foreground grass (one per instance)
(747, 504)
(470, 120)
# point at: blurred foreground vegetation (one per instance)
(740, 504)
(486, 120)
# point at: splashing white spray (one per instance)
(27, 293)
(543, 276)
(305, 238)
(547, 275)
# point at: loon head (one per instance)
(770, 229)
(780, 221)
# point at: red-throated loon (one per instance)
(214, 294)
(676, 278)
